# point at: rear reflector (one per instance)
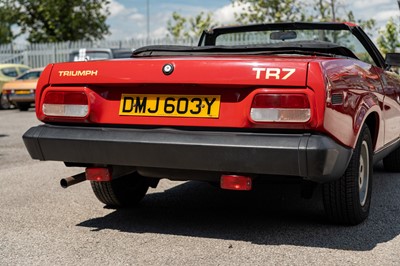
(99, 174)
(280, 108)
(68, 104)
(235, 182)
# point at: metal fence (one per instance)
(42, 54)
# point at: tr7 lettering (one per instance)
(273, 73)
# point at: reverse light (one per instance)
(236, 182)
(62, 103)
(280, 108)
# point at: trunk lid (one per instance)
(206, 91)
(222, 70)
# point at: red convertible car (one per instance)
(314, 101)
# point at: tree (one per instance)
(176, 27)
(186, 27)
(367, 25)
(63, 20)
(388, 39)
(325, 10)
(262, 11)
(8, 18)
(199, 23)
(329, 10)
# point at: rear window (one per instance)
(30, 75)
(90, 55)
(10, 72)
(126, 54)
(23, 69)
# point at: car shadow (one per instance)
(272, 214)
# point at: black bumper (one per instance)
(313, 157)
(17, 98)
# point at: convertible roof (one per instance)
(300, 47)
(208, 36)
(207, 41)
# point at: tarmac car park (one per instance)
(313, 101)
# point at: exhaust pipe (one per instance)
(72, 180)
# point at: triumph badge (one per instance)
(168, 69)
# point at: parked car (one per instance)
(99, 54)
(9, 72)
(21, 91)
(313, 101)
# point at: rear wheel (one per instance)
(124, 191)
(4, 103)
(347, 200)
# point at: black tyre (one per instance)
(4, 103)
(23, 106)
(391, 162)
(121, 192)
(348, 199)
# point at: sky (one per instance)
(128, 18)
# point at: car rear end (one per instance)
(21, 91)
(181, 117)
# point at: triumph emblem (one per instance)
(168, 69)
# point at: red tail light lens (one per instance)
(98, 174)
(280, 108)
(236, 182)
(62, 97)
(68, 104)
(290, 101)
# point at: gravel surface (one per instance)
(179, 223)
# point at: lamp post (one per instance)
(398, 2)
(148, 20)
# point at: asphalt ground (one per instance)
(179, 223)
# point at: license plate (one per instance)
(201, 106)
(22, 92)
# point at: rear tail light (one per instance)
(68, 104)
(280, 108)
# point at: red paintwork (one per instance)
(363, 88)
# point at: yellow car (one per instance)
(9, 72)
(21, 91)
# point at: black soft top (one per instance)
(300, 47)
(207, 44)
